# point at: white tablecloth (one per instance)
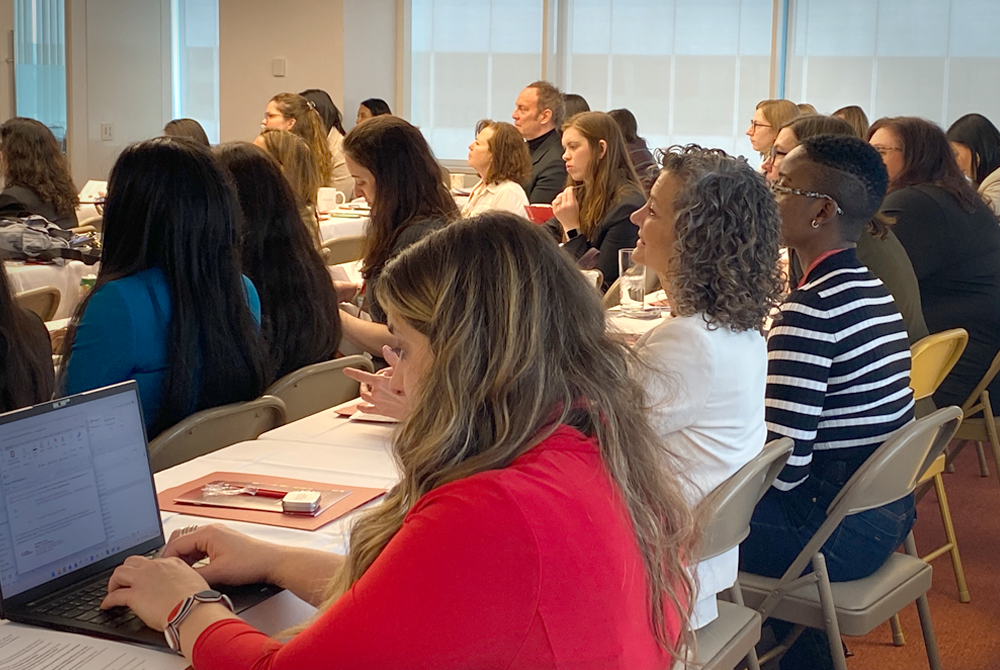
(66, 278)
(334, 227)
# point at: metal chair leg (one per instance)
(991, 430)
(952, 540)
(898, 639)
(924, 612)
(736, 596)
(829, 612)
(984, 469)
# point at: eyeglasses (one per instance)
(884, 151)
(754, 125)
(778, 189)
(774, 154)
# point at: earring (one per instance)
(815, 223)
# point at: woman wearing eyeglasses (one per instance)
(769, 116)
(952, 239)
(838, 374)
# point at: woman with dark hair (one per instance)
(188, 129)
(333, 122)
(170, 308)
(705, 368)
(36, 174)
(26, 374)
(537, 522)
(878, 249)
(642, 159)
(298, 304)
(855, 116)
(372, 107)
(838, 376)
(602, 190)
(396, 172)
(298, 164)
(292, 112)
(501, 158)
(976, 143)
(952, 239)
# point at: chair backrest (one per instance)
(932, 358)
(43, 301)
(983, 383)
(730, 505)
(595, 277)
(215, 428)
(889, 474)
(613, 296)
(95, 222)
(319, 386)
(342, 249)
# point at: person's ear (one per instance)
(604, 148)
(291, 123)
(545, 116)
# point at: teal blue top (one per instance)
(123, 335)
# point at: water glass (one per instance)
(632, 282)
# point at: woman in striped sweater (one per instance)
(838, 374)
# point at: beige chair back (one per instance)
(43, 301)
(212, 429)
(932, 358)
(320, 386)
(342, 250)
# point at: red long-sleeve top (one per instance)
(532, 566)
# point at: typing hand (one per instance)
(234, 558)
(376, 388)
(152, 587)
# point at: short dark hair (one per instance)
(928, 159)
(811, 125)
(299, 309)
(188, 129)
(573, 104)
(853, 174)
(626, 121)
(377, 106)
(327, 110)
(551, 98)
(982, 138)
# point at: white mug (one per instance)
(457, 181)
(329, 198)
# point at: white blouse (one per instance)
(342, 179)
(705, 387)
(507, 196)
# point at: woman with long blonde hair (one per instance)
(298, 164)
(602, 190)
(294, 113)
(533, 525)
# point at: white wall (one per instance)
(307, 34)
(6, 51)
(118, 73)
(370, 55)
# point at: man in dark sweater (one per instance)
(539, 115)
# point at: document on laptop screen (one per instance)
(29, 648)
(74, 489)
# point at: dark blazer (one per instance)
(548, 171)
(956, 259)
(19, 201)
(615, 232)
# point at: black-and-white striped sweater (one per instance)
(838, 372)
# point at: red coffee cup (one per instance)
(538, 213)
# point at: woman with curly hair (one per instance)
(710, 232)
(503, 162)
(36, 174)
(531, 526)
(602, 191)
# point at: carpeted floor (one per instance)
(968, 634)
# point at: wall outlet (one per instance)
(106, 134)
(278, 67)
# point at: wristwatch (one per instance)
(184, 608)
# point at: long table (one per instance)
(66, 278)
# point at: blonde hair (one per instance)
(298, 165)
(611, 177)
(511, 158)
(517, 353)
(310, 127)
(779, 112)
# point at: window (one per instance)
(195, 62)
(938, 59)
(40, 63)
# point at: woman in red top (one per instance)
(532, 527)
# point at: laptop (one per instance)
(76, 499)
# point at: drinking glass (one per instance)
(632, 282)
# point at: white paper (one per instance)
(29, 648)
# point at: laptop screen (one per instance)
(75, 486)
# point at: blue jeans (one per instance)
(782, 524)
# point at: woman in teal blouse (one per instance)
(170, 308)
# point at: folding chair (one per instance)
(732, 636)
(43, 301)
(980, 423)
(857, 607)
(215, 428)
(342, 250)
(319, 386)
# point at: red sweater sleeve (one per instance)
(457, 587)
